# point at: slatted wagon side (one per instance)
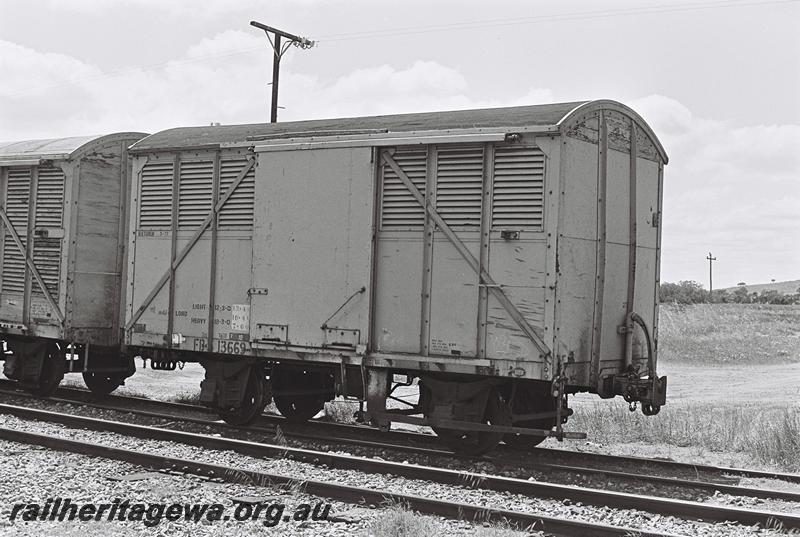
(63, 213)
(504, 258)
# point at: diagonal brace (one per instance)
(188, 247)
(31, 266)
(485, 277)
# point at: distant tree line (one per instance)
(691, 292)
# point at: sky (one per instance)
(717, 80)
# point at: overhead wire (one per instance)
(558, 17)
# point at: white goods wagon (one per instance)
(63, 209)
(504, 258)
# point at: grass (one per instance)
(187, 398)
(714, 334)
(713, 418)
(341, 411)
(769, 436)
(397, 521)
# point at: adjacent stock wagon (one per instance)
(500, 258)
(63, 209)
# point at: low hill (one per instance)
(784, 288)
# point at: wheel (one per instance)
(538, 402)
(298, 410)
(649, 409)
(479, 442)
(255, 399)
(51, 375)
(300, 407)
(102, 384)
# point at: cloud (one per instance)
(29, 71)
(195, 8)
(219, 79)
(227, 42)
(421, 87)
(49, 95)
(731, 189)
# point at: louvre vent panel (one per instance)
(155, 202)
(196, 185)
(459, 184)
(13, 270)
(49, 214)
(50, 198)
(47, 259)
(238, 210)
(518, 195)
(399, 209)
(16, 205)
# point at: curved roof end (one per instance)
(59, 147)
(607, 104)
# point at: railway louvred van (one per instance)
(63, 210)
(501, 258)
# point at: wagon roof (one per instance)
(536, 115)
(53, 148)
(555, 115)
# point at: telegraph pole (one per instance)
(278, 50)
(711, 259)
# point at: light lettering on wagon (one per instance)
(223, 346)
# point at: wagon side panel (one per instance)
(611, 350)
(95, 270)
(212, 282)
(398, 298)
(577, 254)
(647, 251)
(38, 204)
(150, 249)
(518, 248)
(312, 253)
(15, 202)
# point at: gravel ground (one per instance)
(32, 475)
(632, 518)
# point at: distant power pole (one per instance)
(711, 259)
(278, 49)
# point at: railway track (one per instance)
(347, 494)
(698, 477)
(532, 489)
(343, 493)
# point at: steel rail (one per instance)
(708, 486)
(672, 465)
(512, 457)
(663, 506)
(343, 493)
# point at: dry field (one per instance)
(733, 394)
(729, 334)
